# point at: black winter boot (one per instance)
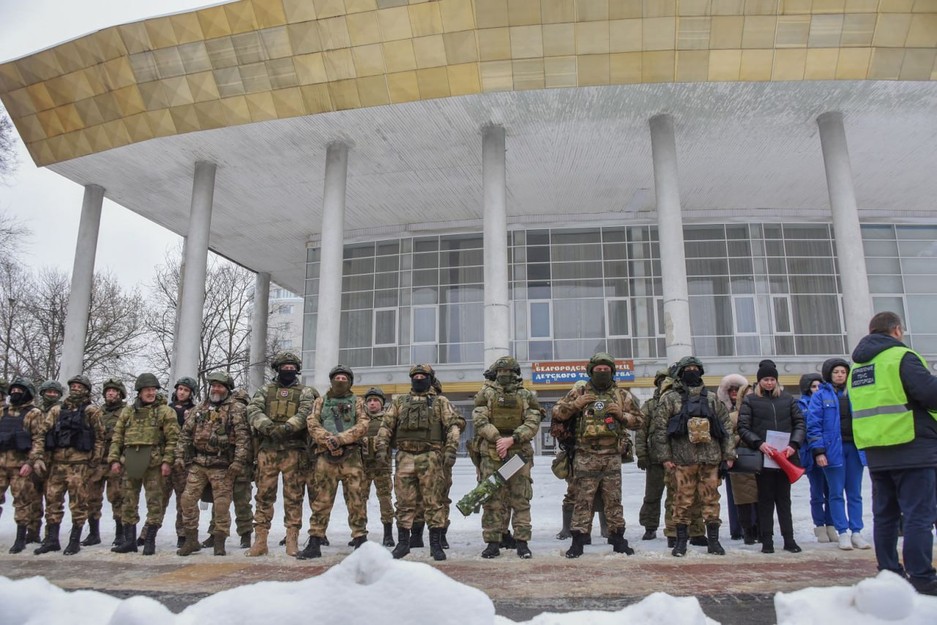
(51, 541)
(790, 545)
(699, 541)
(767, 544)
(712, 535)
(311, 550)
(358, 541)
(209, 542)
(94, 533)
(20, 543)
(416, 535)
(620, 543)
(388, 535)
(575, 550)
(142, 537)
(567, 519)
(118, 532)
(443, 542)
(34, 534)
(649, 534)
(403, 543)
(671, 542)
(74, 540)
(492, 550)
(748, 535)
(435, 548)
(128, 541)
(245, 540)
(507, 541)
(149, 543)
(523, 551)
(679, 547)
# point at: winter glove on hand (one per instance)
(583, 400)
(449, 457)
(642, 463)
(267, 427)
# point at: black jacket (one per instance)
(760, 414)
(921, 388)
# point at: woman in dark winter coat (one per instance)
(819, 491)
(740, 487)
(771, 409)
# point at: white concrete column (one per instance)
(857, 303)
(328, 321)
(259, 318)
(79, 299)
(670, 234)
(497, 306)
(195, 268)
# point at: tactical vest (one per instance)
(881, 416)
(71, 430)
(215, 422)
(417, 420)
(145, 427)
(507, 411)
(13, 433)
(595, 421)
(338, 414)
(696, 413)
(282, 402)
(374, 426)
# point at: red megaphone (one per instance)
(792, 471)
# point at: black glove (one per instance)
(642, 463)
(723, 470)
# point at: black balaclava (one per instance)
(287, 377)
(421, 385)
(691, 377)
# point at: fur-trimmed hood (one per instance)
(722, 393)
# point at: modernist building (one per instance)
(449, 181)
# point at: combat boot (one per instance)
(567, 519)
(416, 535)
(51, 541)
(118, 532)
(259, 548)
(389, 535)
(292, 541)
(180, 540)
(790, 545)
(603, 526)
(74, 540)
(245, 540)
(699, 541)
(20, 543)
(34, 534)
(712, 536)
(435, 548)
(443, 541)
(492, 551)
(523, 551)
(149, 543)
(311, 551)
(191, 544)
(507, 541)
(209, 542)
(94, 533)
(575, 550)
(403, 543)
(620, 543)
(142, 537)
(683, 535)
(649, 534)
(358, 541)
(220, 538)
(671, 542)
(128, 541)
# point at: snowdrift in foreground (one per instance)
(883, 600)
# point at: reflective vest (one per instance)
(338, 414)
(507, 410)
(881, 416)
(417, 420)
(282, 402)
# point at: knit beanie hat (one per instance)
(767, 369)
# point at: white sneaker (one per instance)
(859, 542)
(832, 533)
(820, 533)
(844, 542)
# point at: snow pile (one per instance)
(883, 600)
(652, 610)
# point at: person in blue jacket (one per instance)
(829, 436)
(819, 490)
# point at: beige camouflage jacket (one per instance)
(33, 422)
(70, 455)
(154, 424)
(351, 436)
(679, 449)
(216, 436)
(486, 431)
(630, 418)
(444, 412)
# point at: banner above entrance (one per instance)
(572, 371)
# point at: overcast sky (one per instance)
(50, 205)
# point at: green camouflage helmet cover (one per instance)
(426, 370)
(80, 379)
(26, 384)
(187, 382)
(342, 369)
(146, 380)
(601, 358)
(685, 362)
(285, 358)
(54, 385)
(117, 385)
(375, 392)
(219, 377)
(507, 362)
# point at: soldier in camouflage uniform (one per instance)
(183, 399)
(143, 449)
(602, 410)
(100, 476)
(22, 444)
(425, 428)
(692, 436)
(654, 476)
(74, 443)
(50, 395)
(215, 440)
(336, 425)
(377, 469)
(506, 418)
(277, 414)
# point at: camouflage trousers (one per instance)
(420, 516)
(594, 472)
(23, 490)
(152, 483)
(380, 475)
(349, 472)
(512, 500)
(71, 479)
(222, 488)
(243, 512)
(175, 483)
(569, 501)
(421, 478)
(654, 478)
(697, 527)
(101, 481)
(271, 463)
(36, 502)
(696, 481)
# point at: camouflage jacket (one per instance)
(630, 418)
(679, 449)
(264, 401)
(33, 422)
(215, 435)
(70, 455)
(643, 435)
(525, 425)
(352, 436)
(154, 424)
(443, 413)
(369, 442)
(109, 416)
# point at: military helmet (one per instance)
(375, 392)
(285, 358)
(187, 382)
(51, 385)
(685, 362)
(342, 369)
(507, 362)
(80, 379)
(117, 385)
(601, 358)
(4, 387)
(218, 376)
(24, 383)
(426, 370)
(146, 380)
(660, 376)
(490, 374)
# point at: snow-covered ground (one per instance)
(368, 586)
